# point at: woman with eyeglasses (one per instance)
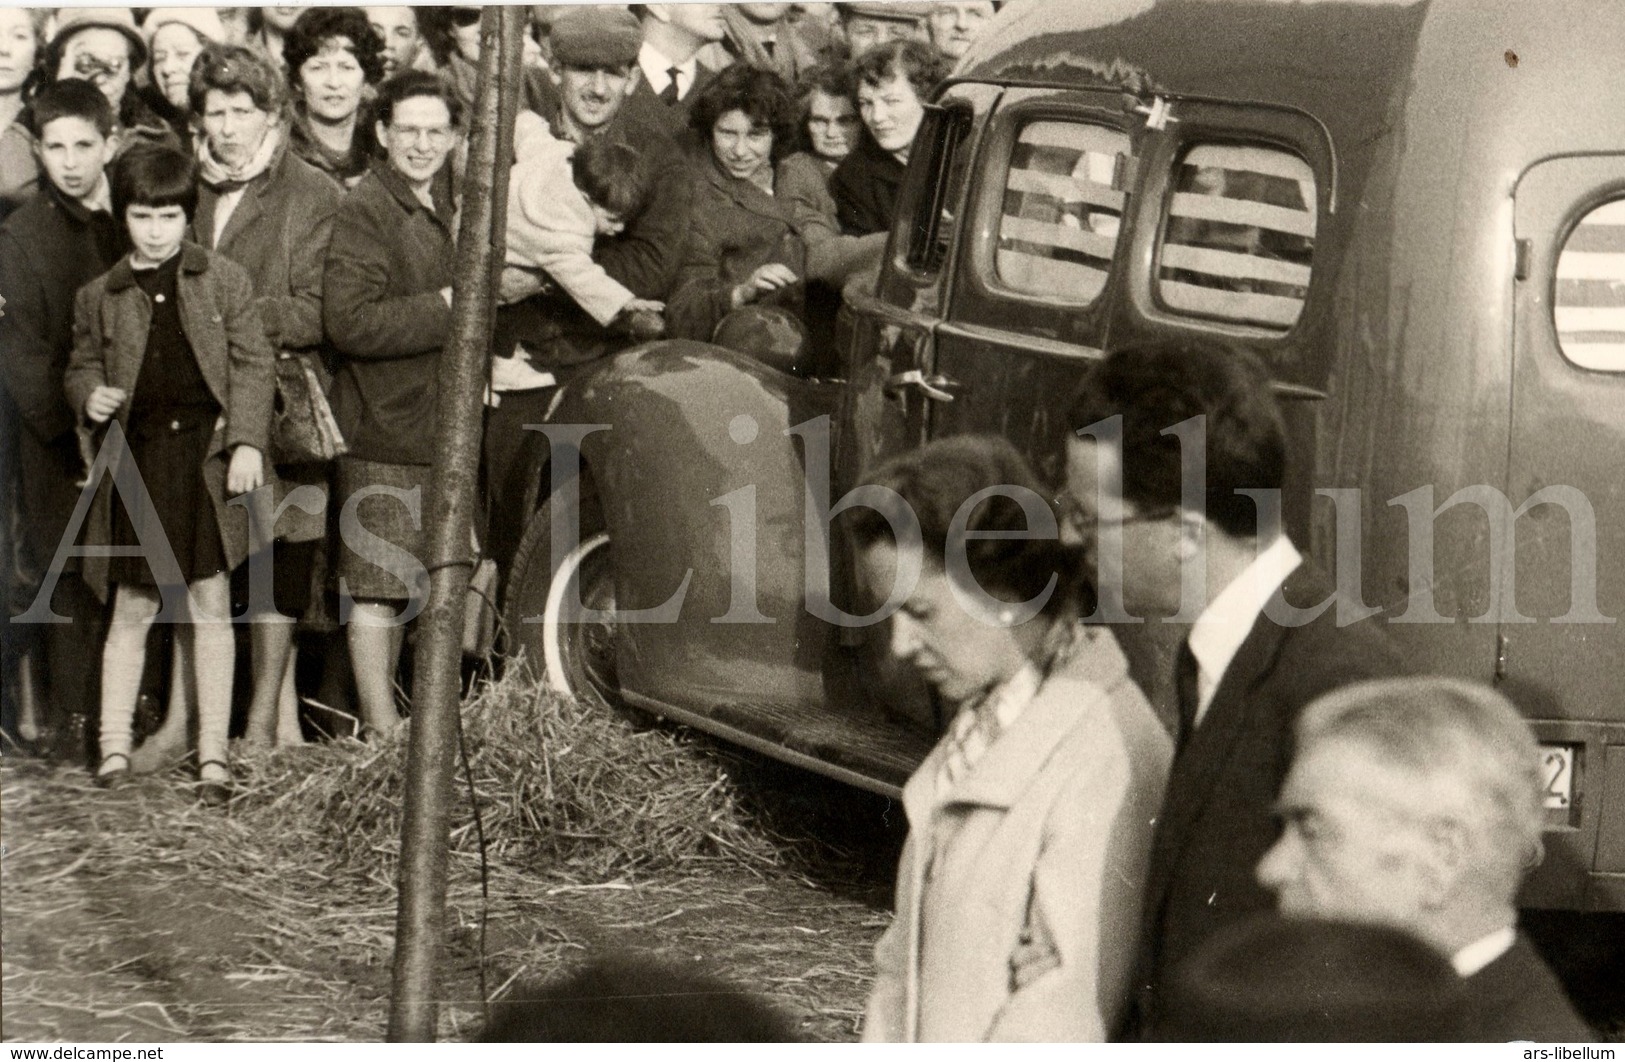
(1018, 893)
(387, 308)
(335, 62)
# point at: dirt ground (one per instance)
(137, 915)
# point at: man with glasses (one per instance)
(1178, 546)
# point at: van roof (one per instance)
(1543, 70)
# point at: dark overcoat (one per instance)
(49, 248)
(737, 228)
(388, 261)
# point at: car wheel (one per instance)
(564, 621)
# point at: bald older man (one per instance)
(1416, 803)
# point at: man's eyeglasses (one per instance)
(1089, 523)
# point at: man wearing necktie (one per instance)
(1178, 547)
(669, 65)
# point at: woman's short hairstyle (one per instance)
(922, 65)
(761, 94)
(71, 97)
(1159, 385)
(409, 84)
(232, 68)
(935, 481)
(832, 79)
(613, 174)
(318, 26)
(154, 175)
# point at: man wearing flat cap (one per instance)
(1416, 803)
(869, 24)
(594, 61)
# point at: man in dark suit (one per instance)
(669, 68)
(1166, 506)
(1416, 803)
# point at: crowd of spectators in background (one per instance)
(199, 203)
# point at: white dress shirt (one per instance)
(1221, 628)
(656, 71)
(1483, 951)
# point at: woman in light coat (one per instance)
(1018, 893)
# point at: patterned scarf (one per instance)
(215, 174)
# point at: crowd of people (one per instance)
(206, 204)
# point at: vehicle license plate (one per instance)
(1557, 768)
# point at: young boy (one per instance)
(560, 199)
(50, 247)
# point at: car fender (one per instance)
(701, 487)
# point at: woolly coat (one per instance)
(551, 227)
(111, 319)
(1037, 856)
(279, 233)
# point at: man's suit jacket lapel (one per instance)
(1197, 766)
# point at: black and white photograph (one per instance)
(1048, 521)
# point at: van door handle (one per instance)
(938, 388)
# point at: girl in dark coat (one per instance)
(387, 308)
(169, 342)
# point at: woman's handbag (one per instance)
(303, 430)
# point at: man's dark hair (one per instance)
(153, 175)
(614, 175)
(934, 482)
(319, 26)
(232, 68)
(72, 98)
(917, 61)
(1158, 385)
(761, 94)
(626, 999)
(409, 84)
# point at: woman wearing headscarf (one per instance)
(1018, 892)
(176, 36)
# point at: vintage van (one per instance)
(1412, 210)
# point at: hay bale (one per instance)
(561, 788)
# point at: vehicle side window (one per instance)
(1588, 304)
(1238, 236)
(1063, 208)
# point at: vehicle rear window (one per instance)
(1589, 302)
(1238, 237)
(1063, 208)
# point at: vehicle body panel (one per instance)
(1422, 359)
